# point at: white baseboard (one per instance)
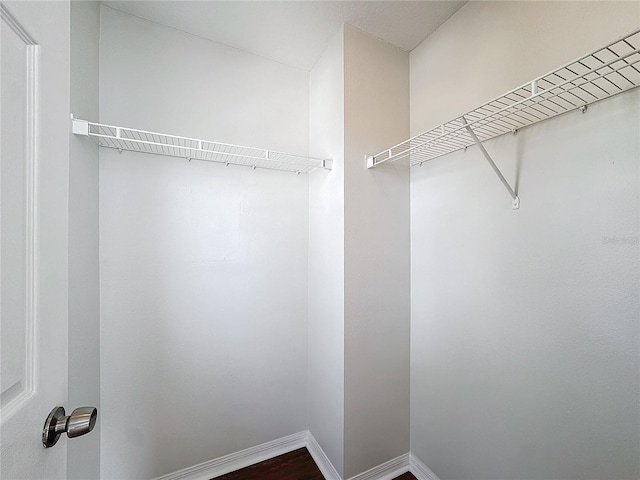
(250, 456)
(420, 470)
(327, 469)
(386, 471)
(243, 458)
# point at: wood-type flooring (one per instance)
(296, 465)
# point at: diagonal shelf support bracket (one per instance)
(516, 201)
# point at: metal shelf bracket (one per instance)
(515, 205)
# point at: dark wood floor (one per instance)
(296, 465)
(406, 476)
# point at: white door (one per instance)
(34, 158)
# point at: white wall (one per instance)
(203, 267)
(326, 253)
(359, 255)
(490, 47)
(376, 253)
(84, 283)
(525, 323)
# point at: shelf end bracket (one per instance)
(371, 161)
(516, 200)
(79, 127)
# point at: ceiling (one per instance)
(294, 32)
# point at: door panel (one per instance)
(34, 158)
(17, 56)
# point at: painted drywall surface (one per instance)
(376, 252)
(83, 460)
(200, 88)
(203, 267)
(488, 48)
(525, 324)
(326, 254)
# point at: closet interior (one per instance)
(372, 294)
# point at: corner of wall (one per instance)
(83, 458)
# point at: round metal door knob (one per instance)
(81, 421)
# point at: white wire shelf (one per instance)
(608, 71)
(133, 140)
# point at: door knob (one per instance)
(81, 421)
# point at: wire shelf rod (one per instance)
(143, 141)
(542, 98)
(136, 143)
(521, 102)
(490, 117)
